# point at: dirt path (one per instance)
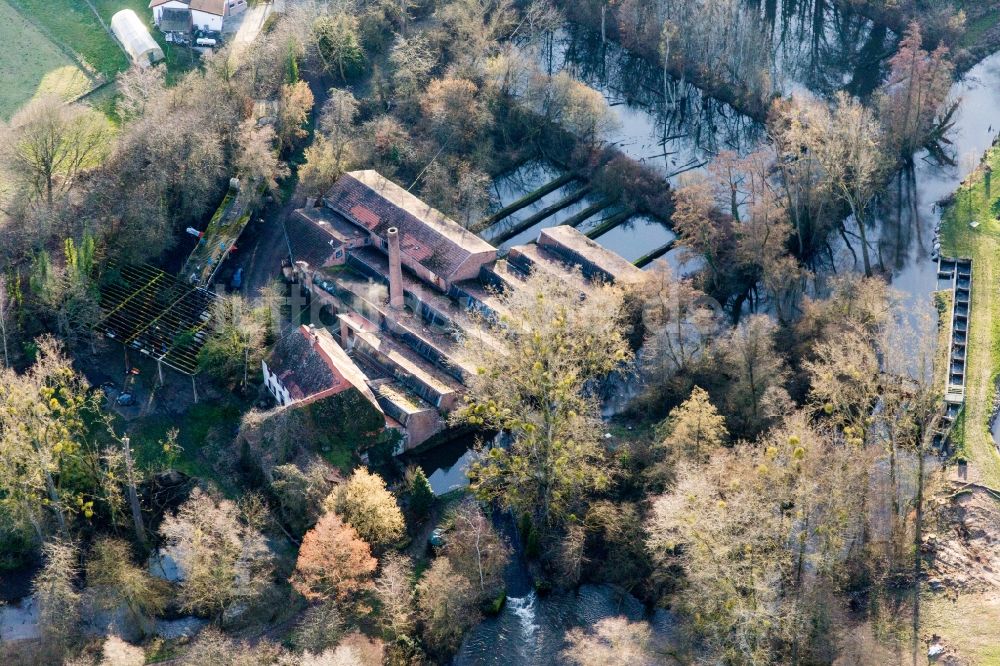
(265, 244)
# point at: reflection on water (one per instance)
(672, 127)
(527, 178)
(446, 464)
(910, 212)
(682, 263)
(821, 46)
(636, 237)
(523, 180)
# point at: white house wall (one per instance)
(206, 21)
(279, 392)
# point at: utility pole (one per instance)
(133, 495)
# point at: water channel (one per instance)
(911, 212)
(674, 126)
(531, 629)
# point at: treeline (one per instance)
(460, 101)
(759, 221)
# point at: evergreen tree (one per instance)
(420, 493)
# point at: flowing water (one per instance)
(818, 47)
(531, 629)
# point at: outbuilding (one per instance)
(135, 38)
(206, 15)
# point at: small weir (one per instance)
(509, 231)
(527, 200)
(589, 212)
(650, 257)
(957, 271)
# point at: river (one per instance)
(910, 213)
(531, 629)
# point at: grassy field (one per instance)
(177, 60)
(973, 203)
(968, 624)
(204, 431)
(36, 65)
(48, 34)
(74, 24)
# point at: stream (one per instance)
(906, 223)
(531, 629)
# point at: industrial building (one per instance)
(402, 280)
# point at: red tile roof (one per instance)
(427, 235)
(312, 368)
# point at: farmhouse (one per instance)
(320, 390)
(402, 280)
(206, 15)
(135, 37)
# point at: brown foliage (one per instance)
(334, 563)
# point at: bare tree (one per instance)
(54, 587)
(257, 156)
(224, 557)
(137, 87)
(447, 604)
(117, 580)
(394, 589)
(5, 307)
(756, 395)
(476, 550)
(49, 144)
(613, 641)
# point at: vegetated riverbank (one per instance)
(970, 44)
(978, 201)
(740, 96)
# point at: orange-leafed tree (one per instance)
(334, 562)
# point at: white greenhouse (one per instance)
(135, 37)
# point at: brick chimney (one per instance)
(395, 270)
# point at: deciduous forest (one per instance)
(719, 387)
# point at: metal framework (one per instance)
(156, 314)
